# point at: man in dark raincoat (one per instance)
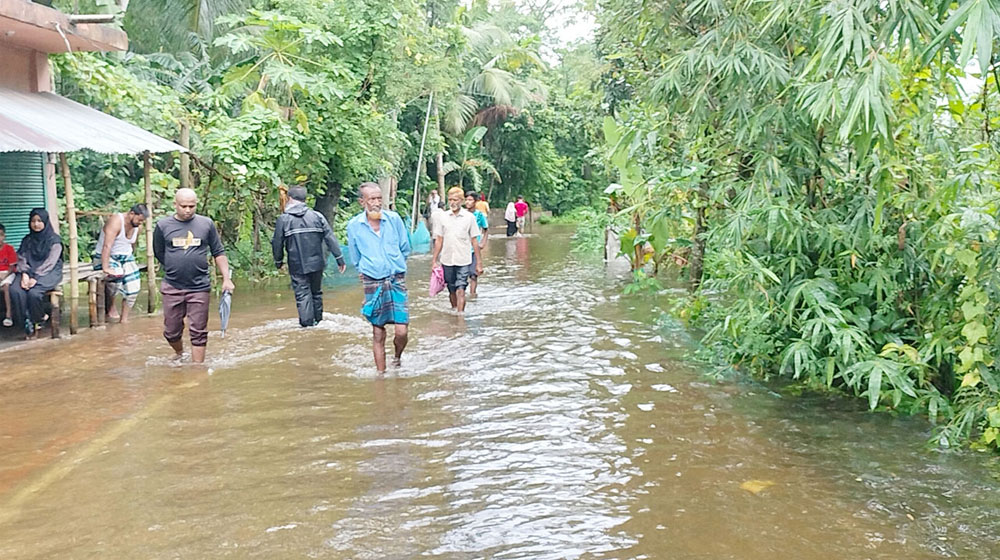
(301, 232)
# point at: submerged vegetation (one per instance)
(821, 174)
(826, 173)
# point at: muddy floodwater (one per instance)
(557, 419)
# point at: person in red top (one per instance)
(8, 258)
(521, 209)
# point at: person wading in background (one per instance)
(481, 204)
(378, 244)
(182, 244)
(454, 234)
(471, 204)
(433, 203)
(510, 216)
(115, 248)
(521, 209)
(302, 232)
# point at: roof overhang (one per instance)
(26, 25)
(46, 122)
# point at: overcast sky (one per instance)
(572, 25)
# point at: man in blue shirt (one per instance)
(378, 244)
(471, 198)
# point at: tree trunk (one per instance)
(696, 264)
(326, 203)
(388, 186)
(440, 172)
(636, 249)
(256, 231)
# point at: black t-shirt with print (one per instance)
(183, 249)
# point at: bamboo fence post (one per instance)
(51, 199)
(185, 157)
(92, 300)
(74, 250)
(100, 299)
(150, 259)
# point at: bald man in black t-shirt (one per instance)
(182, 244)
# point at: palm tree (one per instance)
(490, 92)
(492, 57)
(165, 25)
(469, 160)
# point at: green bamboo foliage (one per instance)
(846, 199)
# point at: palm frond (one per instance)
(450, 166)
(495, 83)
(459, 112)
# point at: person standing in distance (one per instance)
(182, 244)
(378, 244)
(454, 234)
(521, 209)
(481, 204)
(510, 216)
(302, 232)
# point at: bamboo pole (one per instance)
(420, 164)
(150, 259)
(440, 172)
(185, 158)
(74, 250)
(51, 199)
(92, 300)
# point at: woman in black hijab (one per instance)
(39, 270)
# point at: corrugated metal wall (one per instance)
(22, 187)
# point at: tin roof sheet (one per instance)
(46, 122)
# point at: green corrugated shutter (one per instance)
(22, 187)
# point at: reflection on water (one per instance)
(554, 420)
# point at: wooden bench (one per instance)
(96, 280)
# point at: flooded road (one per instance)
(556, 420)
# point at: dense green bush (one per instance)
(830, 186)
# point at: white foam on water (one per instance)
(168, 360)
(281, 528)
(663, 387)
(230, 360)
(332, 323)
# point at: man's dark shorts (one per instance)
(178, 304)
(456, 277)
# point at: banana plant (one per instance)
(469, 160)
